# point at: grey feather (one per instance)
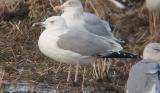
(87, 44)
(97, 26)
(141, 79)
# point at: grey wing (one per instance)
(87, 44)
(158, 86)
(107, 25)
(97, 26)
(140, 80)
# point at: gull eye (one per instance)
(52, 21)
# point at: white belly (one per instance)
(48, 46)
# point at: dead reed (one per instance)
(18, 44)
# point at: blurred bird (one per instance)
(144, 77)
(122, 4)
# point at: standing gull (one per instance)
(78, 46)
(76, 18)
(144, 76)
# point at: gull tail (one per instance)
(122, 54)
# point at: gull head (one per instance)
(152, 51)
(52, 22)
(72, 5)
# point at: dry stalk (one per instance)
(101, 69)
(2, 72)
(9, 5)
(92, 6)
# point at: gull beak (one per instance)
(38, 24)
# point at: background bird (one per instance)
(75, 16)
(144, 76)
(122, 4)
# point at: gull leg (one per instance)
(76, 74)
(84, 73)
(154, 22)
(69, 73)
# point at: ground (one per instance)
(20, 58)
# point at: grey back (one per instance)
(87, 44)
(143, 77)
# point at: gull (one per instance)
(75, 46)
(75, 16)
(144, 77)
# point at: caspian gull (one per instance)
(76, 18)
(144, 77)
(71, 46)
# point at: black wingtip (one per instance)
(122, 55)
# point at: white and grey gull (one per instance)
(144, 76)
(76, 46)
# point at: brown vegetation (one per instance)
(21, 58)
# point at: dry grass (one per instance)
(21, 58)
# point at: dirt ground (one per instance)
(20, 58)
